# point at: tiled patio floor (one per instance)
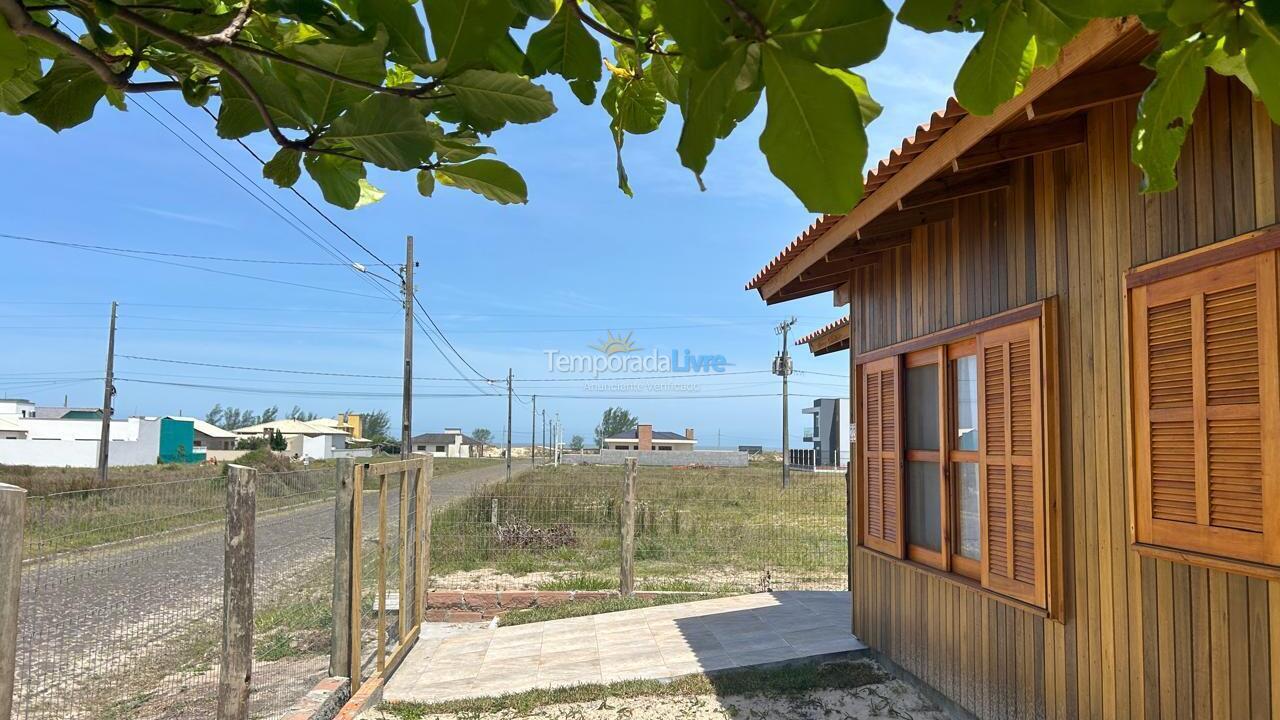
(651, 643)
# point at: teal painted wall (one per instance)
(177, 437)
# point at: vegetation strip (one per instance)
(774, 681)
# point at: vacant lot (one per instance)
(697, 529)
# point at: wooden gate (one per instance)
(390, 562)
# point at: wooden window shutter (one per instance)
(1204, 360)
(1011, 461)
(881, 388)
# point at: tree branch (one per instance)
(414, 91)
(617, 37)
(751, 21)
(229, 33)
(167, 8)
(21, 22)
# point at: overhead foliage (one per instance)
(419, 86)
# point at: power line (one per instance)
(445, 338)
(262, 261)
(294, 190)
(198, 267)
(310, 234)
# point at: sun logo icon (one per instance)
(616, 344)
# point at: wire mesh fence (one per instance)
(122, 592)
(715, 530)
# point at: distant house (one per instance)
(10, 430)
(304, 439)
(644, 437)
(829, 433)
(72, 442)
(450, 443)
(211, 437)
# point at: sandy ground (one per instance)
(888, 699)
(490, 579)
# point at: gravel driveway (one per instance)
(102, 611)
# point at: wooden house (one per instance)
(1066, 495)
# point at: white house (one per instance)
(55, 442)
(644, 437)
(450, 443)
(304, 439)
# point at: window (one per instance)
(1206, 402)
(439, 448)
(952, 459)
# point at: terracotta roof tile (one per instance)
(833, 325)
(925, 135)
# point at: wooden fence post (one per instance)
(13, 502)
(627, 575)
(340, 647)
(237, 594)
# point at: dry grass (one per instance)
(734, 525)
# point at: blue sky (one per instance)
(505, 283)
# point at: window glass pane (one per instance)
(924, 511)
(965, 372)
(969, 525)
(922, 408)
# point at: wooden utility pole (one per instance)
(533, 435)
(406, 411)
(108, 392)
(236, 677)
(782, 366)
(12, 503)
(508, 424)
(544, 431)
(627, 525)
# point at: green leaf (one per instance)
(385, 130)
(1165, 114)
(1052, 29)
(1262, 58)
(325, 99)
(839, 33)
(740, 108)
(991, 72)
(501, 97)
(938, 15)
(1089, 9)
(813, 136)
(705, 95)
(564, 47)
(407, 39)
(18, 88)
(701, 27)
(426, 183)
(664, 70)
(13, 53)
(285, 168)
(867, 105)
(541, 9)
(66, 96)
(634, 103)
(619, 12)
(493, 179)
(462, 30)
(238, 116)
(341, 180)
(1193, 12)
(506, 56)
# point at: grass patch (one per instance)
(781, 681)
(697, 529)
(580, 582)
(590, 607)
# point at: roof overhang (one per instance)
(832, 337)
(954, 155)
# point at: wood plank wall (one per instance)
(1142, 637)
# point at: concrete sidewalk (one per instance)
(651, 643)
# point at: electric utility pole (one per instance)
(544, 431)
(406, 411)
(782, 366)
(533, 435)
(108, 392)
(508, 424)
